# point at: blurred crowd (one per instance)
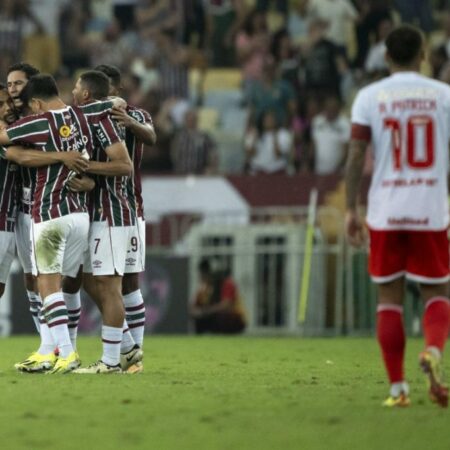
(300, 63)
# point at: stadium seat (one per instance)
(208, 119)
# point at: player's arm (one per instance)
(36, 158)
(119, 163)
(144, 132)
(81, 184)
(353, 176)
(4, 138)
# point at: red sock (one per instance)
(391, 337)
(436, 322)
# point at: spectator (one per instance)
(330, 138)
(337, 14)
(194, 23)
(272, 94)
(440, 55)
(73, 42)
(173, 61)
(298, 21)
(159, 16)
(193, 151)
(268, 147)
(376, 65)
(124, 11)
(324, 64)
(217, 307)
(12, 19)
(223, 19)
(371, 13)
(416, 11)
(252, 46)
(286, 58)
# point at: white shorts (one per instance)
(23, 241)
(7, 253)
(108, 247)
(59, 244)
(135, 261)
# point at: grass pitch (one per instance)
(220, 394)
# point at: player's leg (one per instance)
(103, 282)
(429, 265)
(71, 291)
(23, 243)
(387, 266)
(132, 295)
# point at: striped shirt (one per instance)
(135, 150)
(65, 129)
(8, 193)
(109, 199)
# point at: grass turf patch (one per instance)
(220, 393)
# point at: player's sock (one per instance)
(127, 339)
(56, 317)
(111, 338)
(436, 324)
(391, 337)
(35, 307)
(47, 344)
(73, 304)
(135, 315)
(398, 388)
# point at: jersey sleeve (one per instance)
(96, 108)
(30, 130)
(360, 109)
(142, 116)
(106, 131)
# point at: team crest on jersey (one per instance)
(65, 131)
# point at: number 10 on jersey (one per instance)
(419, 153)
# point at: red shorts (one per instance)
(421, 256)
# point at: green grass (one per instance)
(220, 393)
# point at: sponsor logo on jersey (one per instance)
(130, 261)
(65, 131)
(96, 264)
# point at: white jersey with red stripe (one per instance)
(407, 118)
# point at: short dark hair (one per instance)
(112, 72)
(403, 44)
(42, 86)
(97, 83)
(27, 69)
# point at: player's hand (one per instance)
(118, 102)
(81, 184)
(74, 161)
(121, 117)
(354, 229)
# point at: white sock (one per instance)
(127, 339)
(435, 351)
(56, 317)
(35, 307)
(47, 344)
(135, 315)
(73, 304)
(398, 388)
(111, 338)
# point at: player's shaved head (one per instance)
(42, 87)
(113, 73)
(404, 45)
(96, 82)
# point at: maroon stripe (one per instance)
(54, 305)
(126, 331)
(73, 325)
(74, 311)
(58, 322)
(106, 341)
(135, 308)
(136, 325)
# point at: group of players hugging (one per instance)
(71, 201)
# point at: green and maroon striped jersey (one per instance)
(109, 199)
(8, 193)
(26, 184)
(135, 150)
(54, 131)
